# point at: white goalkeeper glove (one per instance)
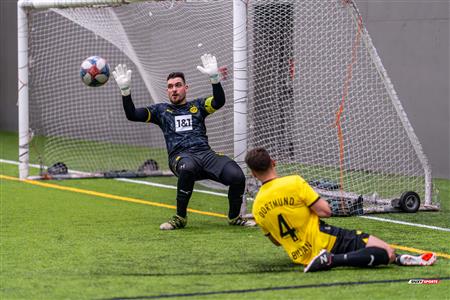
(210, 67)
(123, 79)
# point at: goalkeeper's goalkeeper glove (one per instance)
(123, 79)
(210, 67)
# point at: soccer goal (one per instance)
(302, 78)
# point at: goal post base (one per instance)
(346, 204)
(109, 174)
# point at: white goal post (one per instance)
(302, 79)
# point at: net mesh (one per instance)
(318, 100)
(86, 127)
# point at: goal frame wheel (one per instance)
(409, 202)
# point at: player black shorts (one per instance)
(208, 164)
(346, 240)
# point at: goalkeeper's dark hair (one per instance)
(176, 75)
(258, 159)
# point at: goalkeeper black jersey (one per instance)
(183, 125)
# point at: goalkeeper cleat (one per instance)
(321, 262)
(426, 259)
(240, 221)
(176, 222)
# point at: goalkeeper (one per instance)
(288, 210)
(183, 125)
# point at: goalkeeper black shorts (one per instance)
(207, 164)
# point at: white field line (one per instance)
(405, 223)
(17, 163)
(167, 186)
(225, 195)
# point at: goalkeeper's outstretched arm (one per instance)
(218, 96)
(210, 68)
(123, 79)
(132, 113)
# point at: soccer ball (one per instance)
(94, 71)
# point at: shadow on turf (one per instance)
(260, 269)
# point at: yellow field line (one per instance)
(134, 200)
(414, 250)
(107, 196)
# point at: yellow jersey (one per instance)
(282, 209)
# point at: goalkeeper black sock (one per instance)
(233, 176)
(235, 194)
(185, 185)
(366, 257)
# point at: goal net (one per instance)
(302, 79)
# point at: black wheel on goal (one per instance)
(410, 202)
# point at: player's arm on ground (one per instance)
(273, 240)
(267, 233)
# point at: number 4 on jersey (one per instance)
(285, 229)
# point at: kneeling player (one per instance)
(183, 125)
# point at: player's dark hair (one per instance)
(258, 159)
(176, 75)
